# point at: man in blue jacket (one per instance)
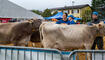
(71, 19)
(99, 40)
(64, 20)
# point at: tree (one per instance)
(55, 12)
(86, 15)
(37, 12)
(47, 13)
(97, 5)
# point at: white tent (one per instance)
(11, 10)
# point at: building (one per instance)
(10, 10)
(77, 10)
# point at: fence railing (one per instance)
(29, 53)
(26, 53)
(82, 55)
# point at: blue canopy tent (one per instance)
(57, 16)
(77, 19)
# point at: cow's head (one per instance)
(101, 28)
(35, 24)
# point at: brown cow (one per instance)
(35, 38)
(18, 33)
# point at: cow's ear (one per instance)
(100, 26)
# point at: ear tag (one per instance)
(33, 30)
(30, 22)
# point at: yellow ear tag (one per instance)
(33, 30)
(30, 22)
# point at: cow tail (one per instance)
(41, 30)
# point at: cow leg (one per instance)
(26, 44)
(27, 40)
(33, 44)
(88, 47)
(16, 44)
(22, 42)
(47, 43)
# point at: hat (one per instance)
(71, 16)
(95, 13)
(77, 19)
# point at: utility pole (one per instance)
(72, 5)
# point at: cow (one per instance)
(18, 33)
(35, 38)
(62, 37)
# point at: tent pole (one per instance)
(24, 19)
(17, 19)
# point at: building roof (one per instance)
(10, 10)
(70, 7)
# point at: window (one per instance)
(72, 11)
(66, 11)
(75, 11)
(78, 10)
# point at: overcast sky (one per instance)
(43, 4)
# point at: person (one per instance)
(78, 22)
(71, 19)
(104, 22)
(64, 20)
(54, 20)
(99, 40)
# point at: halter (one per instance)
(32, 25)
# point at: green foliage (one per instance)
(55, 12)
(93, 5)
(47, 13)
(86, 15)
(97, 6)
(37, 12)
